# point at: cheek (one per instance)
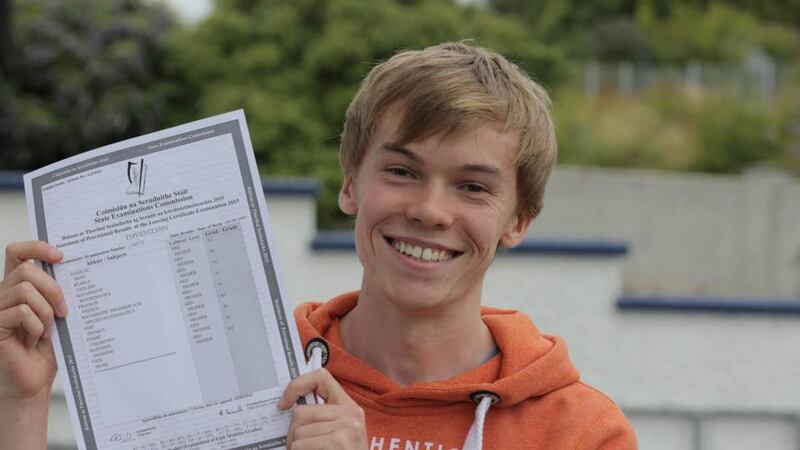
(485, 231)
(375, 205)
(380, 199)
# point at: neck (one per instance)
(413, 346)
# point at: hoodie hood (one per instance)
(528, 364)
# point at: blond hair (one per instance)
(447, 89)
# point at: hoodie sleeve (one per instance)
(609, 431)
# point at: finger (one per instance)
(43, 283)
(46, 350)
(344, 423)
(24, 293)
(19, 252)
(21, 317)
(320, 381)
(336, 441)
(303, 415)
(314, 429)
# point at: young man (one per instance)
(445, 153)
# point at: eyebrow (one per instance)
(481, 168)
(403, 151)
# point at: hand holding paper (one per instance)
(29, 300)
(339, 423)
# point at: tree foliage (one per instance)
(78, 74)
(662, 31)
(716, 33)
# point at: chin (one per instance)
(421, 298)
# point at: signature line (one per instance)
(136, 362)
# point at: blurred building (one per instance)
(677, 294)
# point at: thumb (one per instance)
(319, 381)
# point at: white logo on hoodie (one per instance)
(393, 443)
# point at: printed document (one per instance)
(179, 334)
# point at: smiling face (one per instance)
(430, 214)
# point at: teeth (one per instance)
(424, 254)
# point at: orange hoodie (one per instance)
(533, 396)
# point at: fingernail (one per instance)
(62, 309)
(55, 253)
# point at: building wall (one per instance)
(690, 234)
(686, 380)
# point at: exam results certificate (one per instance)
(179, 334)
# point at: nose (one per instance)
(431, 207)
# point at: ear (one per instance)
(347, 197)
(516, 231)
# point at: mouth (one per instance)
(421, 252)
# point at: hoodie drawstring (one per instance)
(316, 359)
(317, 356)
(316, 363)
(316, 353)
(474, 439)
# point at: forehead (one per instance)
(486, 140)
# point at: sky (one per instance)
(190, 11)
